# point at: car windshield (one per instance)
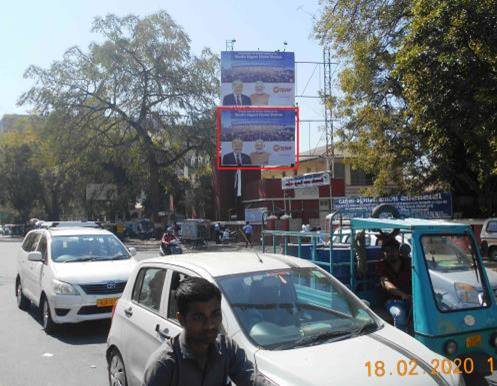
(294, 307)
(455, 272)
(87, 248)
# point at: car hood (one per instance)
(344, 362)
(88, 272)
(464, 277)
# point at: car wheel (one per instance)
(22, 301)
(46, 318)
(117, 373)
(492, 254)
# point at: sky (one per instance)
(37, 32)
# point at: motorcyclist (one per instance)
(167, 240)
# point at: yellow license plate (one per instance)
(472, 341)
(107, 302)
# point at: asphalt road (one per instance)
(74, 356)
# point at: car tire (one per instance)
(492, 254)
(47, 322)
(116, 370)
(22, 301)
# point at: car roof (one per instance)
(76, 231)
(227, 263)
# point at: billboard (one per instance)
(427, 206)
(257, 78)
(257, 137)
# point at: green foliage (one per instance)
(140, 92)
(448, 68)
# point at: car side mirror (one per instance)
(35, 256)
(132, 251)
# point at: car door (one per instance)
(29, 278)
(38, 268)
(141, 316)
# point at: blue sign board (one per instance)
(427, 206)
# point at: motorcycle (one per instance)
(170, 247)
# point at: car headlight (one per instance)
(262, 379)
(467, 293)
(62, 288)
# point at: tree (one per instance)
(376, 131)
(448, 69)
(19, 179)
(143, 83)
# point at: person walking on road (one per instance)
(247, 231)
(199, 355)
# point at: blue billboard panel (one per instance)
(257, 137)
(427, 206)
(257, 78)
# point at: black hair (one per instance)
(195, 289)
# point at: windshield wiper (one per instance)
(314, 339)
(366, 328)
(81, 259)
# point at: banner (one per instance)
(257, 78)
(258, 137)
(299, 182)
(254, 215)
(427, 206)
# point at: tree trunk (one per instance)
(154, 188)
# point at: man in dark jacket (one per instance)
(199, 355)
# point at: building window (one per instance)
(358, 177)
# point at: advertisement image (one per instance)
(257, 137)
(257, 78)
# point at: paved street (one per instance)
(72, 357)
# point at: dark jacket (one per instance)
(229, 159)
(229, 100)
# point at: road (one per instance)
(75, 356)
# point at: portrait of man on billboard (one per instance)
(259, 156)
(236, 157)
(236, 98)
(259, 97)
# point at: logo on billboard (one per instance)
(281, 148)
(278, 90)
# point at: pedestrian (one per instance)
(226, 235)
(247, 231)
(198, 355)
(217, 232)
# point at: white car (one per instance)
(72, 274)
(297, 324)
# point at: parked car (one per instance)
(488, 234)
(297, 323)
(72, 274)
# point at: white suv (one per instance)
(72, 274)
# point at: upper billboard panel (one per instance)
(257, 78)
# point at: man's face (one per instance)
(237, 146)
(237, 87)
(202, 321)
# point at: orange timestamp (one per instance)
(409, 367)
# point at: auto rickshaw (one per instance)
(454, 309)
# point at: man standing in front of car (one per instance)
(199, 355)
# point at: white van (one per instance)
(72, 274)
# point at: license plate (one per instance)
(472, 341)
(107, 302)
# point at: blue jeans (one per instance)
(399, 310)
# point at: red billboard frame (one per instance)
(218, 137)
